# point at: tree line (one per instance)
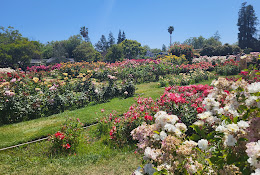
(17, 51)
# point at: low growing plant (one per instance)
(67, 139)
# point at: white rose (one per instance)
(163, 135)
(169, 127)
(159, 114)
(199, 123)
(181, 126)
(243, 124)
(204, 115)
(230, 140)
(221, 128)
(254, 87)
(233, 128)
(178, 132)
(156, 137)
(203, 144)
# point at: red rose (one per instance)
(148, 117)
(58, 134)
(67, 146)
(200, 110)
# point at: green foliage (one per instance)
(86, 52)
(84, 33)
(212, 42)
(219, 50)
(15, 50)
(115, 53)
(164, 48)
(60, 49)
(71, 44)
(102, 44)
(121, 37)
(111, 40)
(200, 42)
(179, 50)
(227, 68)
(247, 26)
(67, 139)
(132, 49)
(236, 49)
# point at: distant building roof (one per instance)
(36, 61)
(59, 60)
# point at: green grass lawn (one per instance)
(93, 157)
(29, 130)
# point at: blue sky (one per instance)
(146, 21)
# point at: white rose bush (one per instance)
(225, 137)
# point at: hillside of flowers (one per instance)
(41, 91)
(224, 138)
(195, 129)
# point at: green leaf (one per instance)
(210, 135)
(242, 139)
(156, 132)
(235, 119)
(198, 130)
(195, 137)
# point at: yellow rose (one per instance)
(65, 74)
(37, 89)
(35, 79)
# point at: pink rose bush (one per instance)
(225, 137)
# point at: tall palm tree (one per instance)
(170, 30)
(84, 33)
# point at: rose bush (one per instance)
(226, 139)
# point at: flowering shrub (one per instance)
(226, 138)
(67, 139)
(201, 65)
(32, 95)
(179, 50)
(137, 114)
(192, 77)
(230, 67)
(214, 59)
(184, 101)
(174, 59)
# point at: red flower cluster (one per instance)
(43, 68)
(192, 94)
(67, 146)
(202, 65)
(59, 135)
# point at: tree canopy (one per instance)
(15, 50)
(247, 23)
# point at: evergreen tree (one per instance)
(102, 44)
(123, 36)
(111, 39)
(217, 36)
(247, 22)
(164, 48)
(119, 39)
